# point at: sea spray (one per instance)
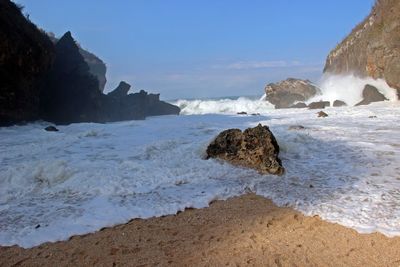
(223, 106)
(348, 88)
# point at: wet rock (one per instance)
(285, 93)
(255, 114)
(299, 105)
(322, 114)
(51, 129)
(371, 94)
(255, 148)
(319, 105)
(242, 113)
(339, 103)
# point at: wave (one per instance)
(223, 106)
(348, 88)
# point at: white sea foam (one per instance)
(348, 88)
(223, 106)
(89, 176)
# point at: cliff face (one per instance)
(26, 54)
(373, 47)
(96, 66)
(71, 92)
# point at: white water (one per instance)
(348, 88)
(88, 176)
(223, 106)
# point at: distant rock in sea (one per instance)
(322, 114)
(255, 148)
(319, 105)
(339, 103)
(371, 94)
(372, 48)
(26, 54)
(285, 93)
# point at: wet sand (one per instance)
(243, 231)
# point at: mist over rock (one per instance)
(26, 55)
(370, 95)
(286, 93)
(372, 48)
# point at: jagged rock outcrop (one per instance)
(285, 93)
(118, 105)
(96, 66)
(26, 55)
(372, 48)
(121, 91)
(71, 93)
(371, 94)
(255, 148)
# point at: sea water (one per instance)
(344, 168)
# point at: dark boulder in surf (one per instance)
(255, 148)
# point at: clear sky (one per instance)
(203, 48)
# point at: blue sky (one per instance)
(209, 48)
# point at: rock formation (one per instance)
(96, 66)
(26, 54)
(322, 114)
(371, 94)
(339, 103)
(319, 105)
(255, 148)
(71, 93)
(372, 48)
(285, 93)
(299, 105)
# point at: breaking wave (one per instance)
(224, 106)
(348, 88)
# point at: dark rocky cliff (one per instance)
(373, 47)
(71, 92)
(54, 82)
(96, 66)
(26, 54)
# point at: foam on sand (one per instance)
(53, 185)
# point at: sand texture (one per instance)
(242, 231)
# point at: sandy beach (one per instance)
(247, 230)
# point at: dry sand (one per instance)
(242, 231)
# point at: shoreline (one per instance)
(244, 230)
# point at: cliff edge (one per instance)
(372, 48)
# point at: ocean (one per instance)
(344, 168)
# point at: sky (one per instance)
(201, 49)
